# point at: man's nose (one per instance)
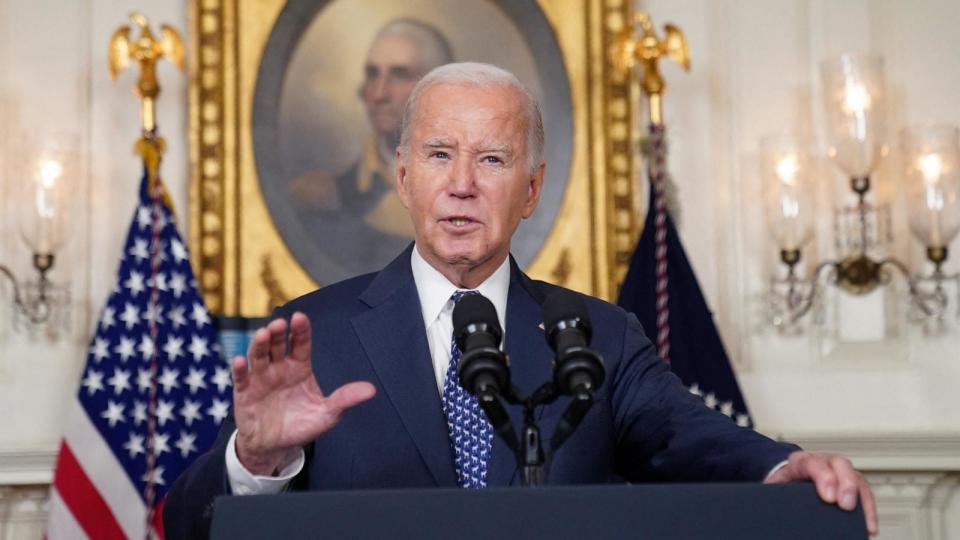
(463, 180)
(377, 88)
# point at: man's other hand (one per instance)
(277, 402)
(836, 480)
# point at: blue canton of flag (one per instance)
(154, 382)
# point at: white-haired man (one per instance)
(469, 169)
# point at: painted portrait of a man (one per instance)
(328, 107)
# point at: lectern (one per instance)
(674, 511)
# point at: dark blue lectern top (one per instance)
(676, 511)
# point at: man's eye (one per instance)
(439, 154)
(492, 159)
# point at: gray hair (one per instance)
(432, 46)
(478, 74)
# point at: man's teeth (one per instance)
(459, 222)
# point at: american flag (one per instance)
(152, 395)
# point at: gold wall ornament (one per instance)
(244, 262)
(647, 50)
(147, 51)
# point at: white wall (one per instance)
(754, 72)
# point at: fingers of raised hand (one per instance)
(241, 373)
(278, 339)
(300, 337)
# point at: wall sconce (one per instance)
(43, 201)
(854, 95)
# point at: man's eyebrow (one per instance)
(496, 149)
(437, 143)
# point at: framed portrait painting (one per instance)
(295, 119)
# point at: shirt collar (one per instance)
(435, 290)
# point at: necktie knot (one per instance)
(461, 294)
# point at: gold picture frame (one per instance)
(243, 263)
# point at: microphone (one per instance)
(483, 369)
(578, 370)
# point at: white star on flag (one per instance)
(124, 349)
(173, 347)
(139, 412)
(114, 413)
(198, 347)
(164, 411)
(200, 315)
(130, 316)
(134, 445)
(177, 284)
(160, 443)
(139, 249)
(144, 380)
(176, 317)
(146, 347)
(93, 382)
(135, 283)
(222, 379)
(185, 443)
(120, 381)
(178, 250)
(168, 380)
(144, 217)
(99, 349)
(190, 411)
(153, 314)
(106, 320)
(195, 380)
(157, 476)
(219, 410)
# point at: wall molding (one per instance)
(23, 467)
(887, 451)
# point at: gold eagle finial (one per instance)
(647, 49)
(146, 50)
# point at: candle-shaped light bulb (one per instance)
(931, 167)
(787, 168)
(788, 204)
(856, 99)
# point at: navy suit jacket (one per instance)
(644, 427)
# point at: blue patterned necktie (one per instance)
(470, 433)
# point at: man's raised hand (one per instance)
(277, 402)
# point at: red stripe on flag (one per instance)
(158, 518)
(83, 499)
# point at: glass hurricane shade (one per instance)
(931, 156)
(45, 175)
(853, 91)
(788, 193)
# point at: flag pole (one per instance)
(644, 52)
(147, 50)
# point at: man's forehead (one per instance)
(393, 49)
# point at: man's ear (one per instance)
(401, 175)
(533, 190)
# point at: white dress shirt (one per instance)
(436, 304)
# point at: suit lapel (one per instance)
(530, 358)
(394, 338)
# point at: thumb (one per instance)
(350, 395)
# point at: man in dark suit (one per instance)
(469, 168)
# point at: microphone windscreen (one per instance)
(474, 309)
(564, 305)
